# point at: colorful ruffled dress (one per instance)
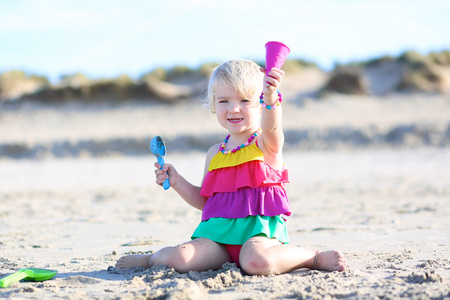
(246, 198)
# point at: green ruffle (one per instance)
(238, 231)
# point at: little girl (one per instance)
(243, 199)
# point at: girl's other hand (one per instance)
(167, 172)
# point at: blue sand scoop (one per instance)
(158, 149)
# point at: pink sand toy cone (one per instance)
(276, 53)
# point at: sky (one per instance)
(107, 38)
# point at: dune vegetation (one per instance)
(408, 72)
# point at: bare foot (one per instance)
(133, 261)
(330, 260)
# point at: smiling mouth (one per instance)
(235, 120)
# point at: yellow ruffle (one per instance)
(241, 156)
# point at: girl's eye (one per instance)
(245, 100)
(223, 101)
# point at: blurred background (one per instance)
(109, 38)
(84, 53)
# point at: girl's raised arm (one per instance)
(272, 138)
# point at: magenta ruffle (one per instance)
(250, 174)
(265, 200)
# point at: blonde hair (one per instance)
(244, 75)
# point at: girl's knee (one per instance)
(196, 255)
(171, 257)
(178, 259)
(256, 257)
(256, 264)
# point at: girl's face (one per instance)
(235, 113)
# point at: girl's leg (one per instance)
(198, 255)
(264, 256)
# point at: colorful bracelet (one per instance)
(271, 106)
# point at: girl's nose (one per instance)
(235, 108)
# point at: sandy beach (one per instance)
(369, 177)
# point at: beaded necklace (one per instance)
(251, 138)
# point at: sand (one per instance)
(369, 177)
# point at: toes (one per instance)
(120, 263)
(125, 262)
(331, 261)
(340, 262)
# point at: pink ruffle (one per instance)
(266, 200)
(250, 174)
